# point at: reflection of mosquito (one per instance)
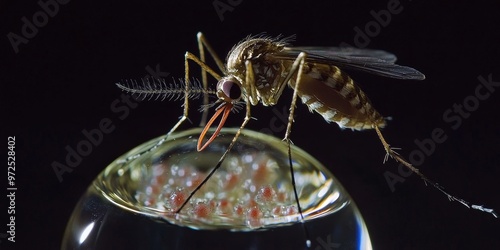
(257, 71)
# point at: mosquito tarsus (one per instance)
(258, 69)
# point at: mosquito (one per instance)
(258, 69)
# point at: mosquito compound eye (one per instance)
(231, 89)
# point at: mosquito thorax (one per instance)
(268, 71)
(252, 49)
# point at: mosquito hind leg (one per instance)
(391, 153)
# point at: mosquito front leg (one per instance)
(184, 116)
(245, 121)
(400, 159)
(189, 56)
(205, 68)
(203, 43)
(162, 140)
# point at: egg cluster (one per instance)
(246, 190)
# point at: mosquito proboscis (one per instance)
(258, 69)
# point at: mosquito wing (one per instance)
(377, 62)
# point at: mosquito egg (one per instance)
(224, 207)
(239, 210)
(202, 210)
(281, 197)
(177, 198)
(290, 210)
(267, 193)
(278, 210)
(231, 181)
(253, 217)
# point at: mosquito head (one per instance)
(229, 90)
(229, 93)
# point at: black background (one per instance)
(62, 81)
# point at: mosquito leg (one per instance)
(250, 81)
(188, 56)
(219, 163)
(204, 66)
(203, 43)
(297, 67)
(249, 87)
(162, 140)
(400, 159)
(203, 79)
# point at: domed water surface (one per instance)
(247, 204)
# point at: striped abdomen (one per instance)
(334, 95)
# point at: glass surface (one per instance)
(248, 203)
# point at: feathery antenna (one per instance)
(158, 89)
